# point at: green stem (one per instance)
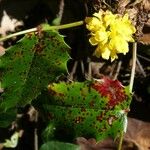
(134, 54)
(121, 140)
(133, 66)
(65, 26)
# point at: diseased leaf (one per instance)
(76, 94)
(88, 109)
(28, 67)
(85, 122)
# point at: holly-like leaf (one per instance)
(85, 122)
(106, 94)
(28, 67)
(76, 94)
(88, 109)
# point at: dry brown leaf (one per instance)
(148, 22)
(132, 14)
(123, 3)
(146, 4)
(139, 133)
(145, 39)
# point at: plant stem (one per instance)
(140, 67)
(134, 54)
(17, 34)
(133, 66)
(65, 26)
(121, 140)
(71, 76)
(118, 70)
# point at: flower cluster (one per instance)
(111, 33)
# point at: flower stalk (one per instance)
(134, 54)
(134, 59)
(47, 28)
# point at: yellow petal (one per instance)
(93, 41)
(119, 45)
(102, 51)
(93, 23)
(109, 18)
(101, 36)
(105, 53)
(113, 56)
(98, 15)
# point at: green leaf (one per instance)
(30, 65)
(6, 118)
(76, 94)
(59, 146)
(79, 109)
(91, 123)
(48, 132)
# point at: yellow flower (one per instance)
(113, 55)
(99, 15)
(110, 33)
(119, 45)
(124, 28)
(101, 36)
(102, 50)
(109, 18)
(93, 23)
(105, 52)
(93, 41)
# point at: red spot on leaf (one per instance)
(112, 89)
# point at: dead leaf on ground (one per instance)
(145, 39)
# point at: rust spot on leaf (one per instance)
(100, 117)
(79, 119)
(92, 103)
(83, 109)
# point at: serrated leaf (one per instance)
(91, 123)
(28, 67)
(83, 94)
(79, 109)
(76, 94)
(52, 145)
